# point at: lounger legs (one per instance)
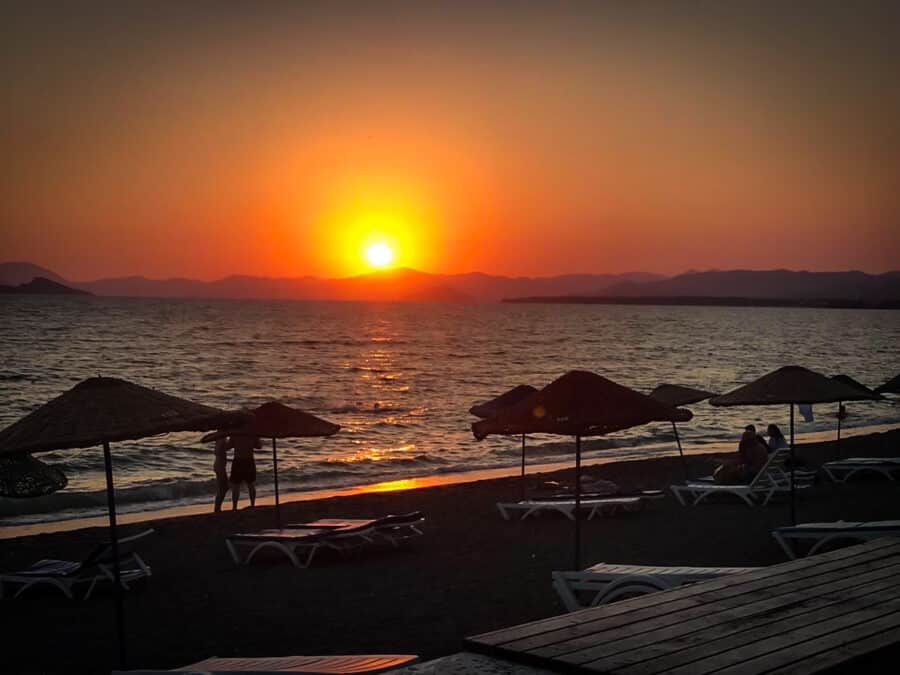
(289, 551)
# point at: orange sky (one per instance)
(279, 139)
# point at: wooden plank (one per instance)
(587, 634)
(873, 550)
(764, 655)
(681, 650)
(717, 614)
(842, 654)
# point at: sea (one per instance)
(400, 378)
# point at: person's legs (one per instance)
(235, 495)
(251, 488)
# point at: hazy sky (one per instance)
(279, 138)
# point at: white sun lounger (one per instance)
(300, 542)
(843, 470)
(319, 665)
(597, 507)
(96, 568)
(602, 583)
(772, 479)
(791, 538)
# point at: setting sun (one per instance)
(379, 254)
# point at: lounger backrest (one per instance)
(772, 474)
(127, 549)
(399, 520)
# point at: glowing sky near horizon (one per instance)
(203, 139)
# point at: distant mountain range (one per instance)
(413, 286)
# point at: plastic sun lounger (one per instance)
(597, 507)
(300, 542)
(842, 470)
(790, 538)
(604, 583)
(321, 665)
(771, 479)
(400, 528)
(96, 568)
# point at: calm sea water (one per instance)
(399, 378)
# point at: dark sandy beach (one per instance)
(470, 573)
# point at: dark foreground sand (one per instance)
(472, 572)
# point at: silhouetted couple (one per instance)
(752, 455)
(243, 468)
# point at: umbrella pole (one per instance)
(577, 502)
(793, 506)
(275, 471)
(523, 467)
(680, 452)
(114, 541)
(838, 447)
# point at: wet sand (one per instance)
(471, 572)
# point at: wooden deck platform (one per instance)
(803, 616)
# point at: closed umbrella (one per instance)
(23, 476)
(579, 404)
(102, 410)
(276, 420)
(677, 395)
(501, 402)
(791, 385)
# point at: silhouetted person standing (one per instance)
(220, 466)
(243, 467)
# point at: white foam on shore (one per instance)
(636, 453)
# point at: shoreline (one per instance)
(628, 454)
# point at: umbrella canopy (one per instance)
(107, 409)
(849, 381)
(503, 401)
(676, 394)
(104, 409)
(276, 420)
(23, 476)
(892, 386)
(791, 384)
(579, 403)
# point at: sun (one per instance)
(379, 254)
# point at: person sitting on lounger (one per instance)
(751, 457)
(243, 467)
(777, 441)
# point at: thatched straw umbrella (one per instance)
(276, 420)
(791, 385)
(23, 477)
(677, 395)
(579, 404)
(849, 381)
(892, 386)
(101, 410)
(495, 405)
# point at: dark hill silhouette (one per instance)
(774, 284)
(42, 286)
(17, 273)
